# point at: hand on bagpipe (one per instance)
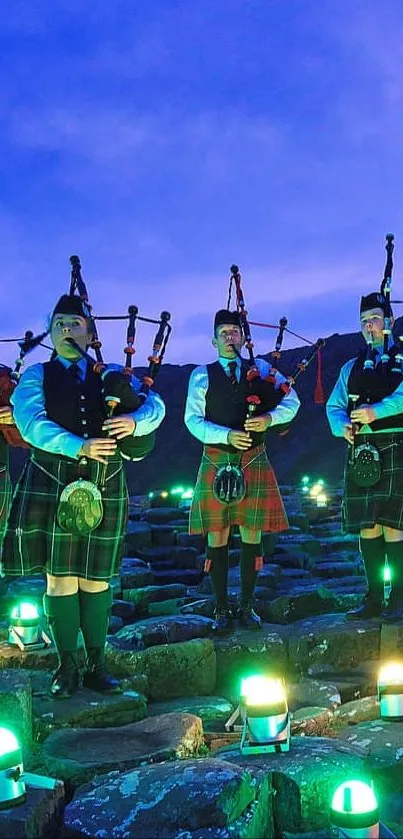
(9, 378)
(265, 393)
(120, 397)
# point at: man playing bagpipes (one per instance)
(69, 511)
(236, 484)
(366, 408)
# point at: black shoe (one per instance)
(96, 676)
(248, 618)
(393, 611)
(223, 620)
(66, 678)
(370, 608)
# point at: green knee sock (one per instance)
(219, 572)
(373, 554)
(94, 617)
(394, 552)
(249, 571)
(63, 614)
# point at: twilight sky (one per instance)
(162, 140)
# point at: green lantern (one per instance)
(12, 786)
(354, 810)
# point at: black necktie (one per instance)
(74, 372)
(232, 373)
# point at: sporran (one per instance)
(229, 485)
(365, 468)
(80, 509)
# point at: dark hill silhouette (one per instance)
(308, 447)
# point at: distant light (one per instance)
(390, 691)
(12, 785)
(164, 494)
(320, 482)
(354, 809)
(321, 500)
(387, 573)
(305, 488)
(188, 493)
(305, 479)
(177, 491)
(315, 490)
(151, 495)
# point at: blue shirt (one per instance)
(212, 434)
(337, 404)
(38, 430)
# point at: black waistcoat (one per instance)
(372, 386)
(76, 406)
(226, 405)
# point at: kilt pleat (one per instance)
(363, 507)
(5, 498)
(261, 509)
(35, 543)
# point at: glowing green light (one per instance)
(177, 490)
(188, 493)
(25, 611)
(321, 482)
(305, 479)
(305, 488)
(151, 495)
(387, 574)
(354, 797)
(262, 690)
(8, 742)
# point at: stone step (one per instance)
(336, 569)
(163, 629)
(188, 577)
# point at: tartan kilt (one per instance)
(261, 509)
(34, 543)
(382, 503)
(5, 497)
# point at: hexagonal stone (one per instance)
(165, 629)
(330, 639)
(213, 711)
(86, 709)
(304, 778)
(382, 741)
(188, 668)
(151, 740)
(193, 799)
(38, 816)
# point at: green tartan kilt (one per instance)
(363, 507)
(261, 509)
(34, 543)
(5, 497)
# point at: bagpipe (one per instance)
(9, 379)
(120, 398)
(265, 394)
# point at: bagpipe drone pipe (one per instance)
(9, 378)
(265, 392)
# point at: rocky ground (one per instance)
(157, 761)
